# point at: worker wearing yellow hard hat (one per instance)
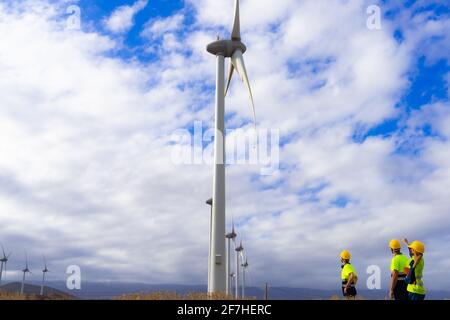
(416, 288)
(349, 276)
(399, 271)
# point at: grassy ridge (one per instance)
(16, 296)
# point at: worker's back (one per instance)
(400, 263)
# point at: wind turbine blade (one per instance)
(230, 75)
(45, 262)
(238, 61)
(236, 33)
(9, 255)
(3, 249)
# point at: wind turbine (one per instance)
(230, 236)
(244, 268)
(234, 49)
(239, 250)
(3, 262)
(25, 271)
(44, 271)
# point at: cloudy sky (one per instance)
(88, 111)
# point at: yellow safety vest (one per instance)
(418, 287)
(400, 263)
(346, 271)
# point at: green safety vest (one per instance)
(346, 271)
(418, 287)
(399, 263)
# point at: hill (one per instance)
(12, 291)
(112, 290)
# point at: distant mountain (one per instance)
(31, 289)
(109, 290)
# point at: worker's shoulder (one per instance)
(401, 258)
(349, 268)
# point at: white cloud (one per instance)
(160, 26)
(85, 171)
(122, 19)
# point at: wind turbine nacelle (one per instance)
(225, 48)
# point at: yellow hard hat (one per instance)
(394, 244)
(418, 246)
(345, 255)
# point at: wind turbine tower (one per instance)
(234, 49)
(44, 271)
(3, 262)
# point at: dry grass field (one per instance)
(16, 296)
(176, 296)
(137, 296)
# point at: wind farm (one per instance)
(223, 271)
(224, 150)
(234, 49)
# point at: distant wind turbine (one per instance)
(230, 237)
(3, 262)
(209, 202)
(244, 269)
(25, 271)
(239, 250)
(234, 49)
(44, 271)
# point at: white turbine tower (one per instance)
(25, 271)
(234, 49)
(3, 262)
(44, 271)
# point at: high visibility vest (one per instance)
(400, 263)
(418, 287)
(345, 274)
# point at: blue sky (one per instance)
(86, 172)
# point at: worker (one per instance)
(416, 288)
(399, 271)
(349, 276)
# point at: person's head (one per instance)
(345, 257)
(395, 246)
(416, 248)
